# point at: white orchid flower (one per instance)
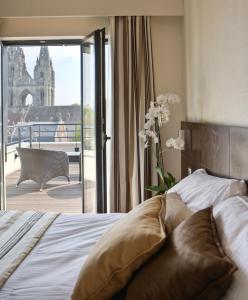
(156, 140)
(160, 99)
(170, 143)
(179, 144)
(172, 98)
(159, 114)
(142, 134)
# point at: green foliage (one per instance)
(166, 181)
(88, 115)
(88, 121)
(77, 136)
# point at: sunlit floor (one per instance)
(57, 196)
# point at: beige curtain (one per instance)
(132, 90)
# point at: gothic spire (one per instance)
(44, 53)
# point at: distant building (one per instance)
(58, 123)
(21, 84)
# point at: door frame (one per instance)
(2, 144)
(4, 106)
(101, 137)
(100, 116)
(101, 193)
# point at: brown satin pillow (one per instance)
(121, 251)
(176, 212)
(191, 265)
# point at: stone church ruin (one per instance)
(41, 85)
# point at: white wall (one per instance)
(168, 49)
(34, 8)
(217, 61)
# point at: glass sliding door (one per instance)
(93, 119)
(42, 98)
(2, 189)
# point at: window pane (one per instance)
(89, 151)
(44, 112)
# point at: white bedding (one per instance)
(57, 259)
(50, 271)
(200, 190)
(232, 222)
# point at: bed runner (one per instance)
(19, 233)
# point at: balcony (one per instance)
(58, 195)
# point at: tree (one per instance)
(88, 116)
(88, 121)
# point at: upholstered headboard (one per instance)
(221, 150)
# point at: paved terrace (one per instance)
(57, 196)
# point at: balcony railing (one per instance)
(40, 133)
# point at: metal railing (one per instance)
(39, 133)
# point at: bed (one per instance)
(53, 265)
(51, 269)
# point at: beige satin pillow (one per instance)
(176, 212)
(191, 265)
(121, 251)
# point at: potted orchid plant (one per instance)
(157, 116)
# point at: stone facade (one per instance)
(56, 114)
(21, 84)
(52, 120)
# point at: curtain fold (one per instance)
(132, 90)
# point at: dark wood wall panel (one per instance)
(191, 156)
(215, 149)
(238, 152)
(221, 150)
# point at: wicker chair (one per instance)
(42, 165)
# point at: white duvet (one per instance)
(50, 271)
(231, 218)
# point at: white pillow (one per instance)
(231, 218)
(200, 190)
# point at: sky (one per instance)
(66, 64)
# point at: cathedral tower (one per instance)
(21, 84)
(44, 78)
